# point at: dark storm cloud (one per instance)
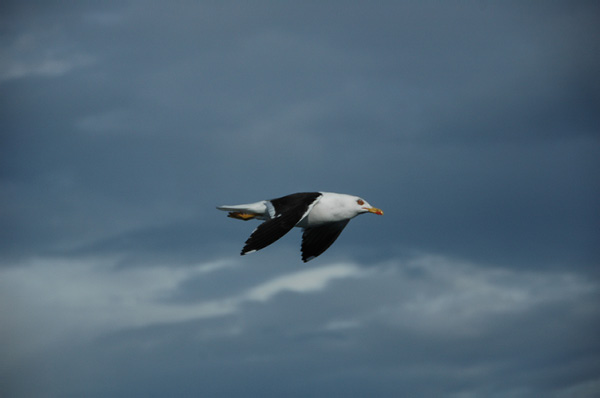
(473, 125)
(161, 111)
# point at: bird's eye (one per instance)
(360, 202)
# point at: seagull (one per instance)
(322, 215)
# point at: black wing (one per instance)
(288, 211)
(316, 240)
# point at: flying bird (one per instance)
(322, 215)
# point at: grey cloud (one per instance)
(474, 330)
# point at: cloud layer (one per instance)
(385, 328)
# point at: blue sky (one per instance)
(474, 125)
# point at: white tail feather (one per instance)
(253, 208)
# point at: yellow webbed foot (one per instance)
(241, 216)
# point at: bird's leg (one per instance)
(241, 216)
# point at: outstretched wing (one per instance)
(316, 240)
(285, 213)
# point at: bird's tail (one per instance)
(246, 211)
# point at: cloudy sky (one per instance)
(474, 125)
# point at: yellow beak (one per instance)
(375, 210)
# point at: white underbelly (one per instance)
(320, 215)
